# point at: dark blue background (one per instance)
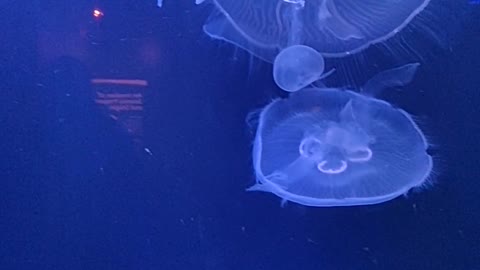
(74, 194)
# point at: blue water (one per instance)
(77, 193)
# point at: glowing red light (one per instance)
(97, 13)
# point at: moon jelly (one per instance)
(296, 67)
(334, 28)
(335, 147)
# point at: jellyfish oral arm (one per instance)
(395, 77)
(330, 18)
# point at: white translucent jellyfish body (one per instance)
(291, 32)
(333, 147)
(296, 67)
(334, 28)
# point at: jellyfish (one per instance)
(272, 30)
(296, 67)
(333, 28)
(338, 147)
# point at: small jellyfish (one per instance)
(334, 28)
(334, 147)
(296, 67)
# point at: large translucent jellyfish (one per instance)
(335, 147)
(296, 35)
(334, 28)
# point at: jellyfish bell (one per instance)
(333, 147)
(296, 67)
(333, 28)
(272, 29)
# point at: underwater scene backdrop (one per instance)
(131, 134)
